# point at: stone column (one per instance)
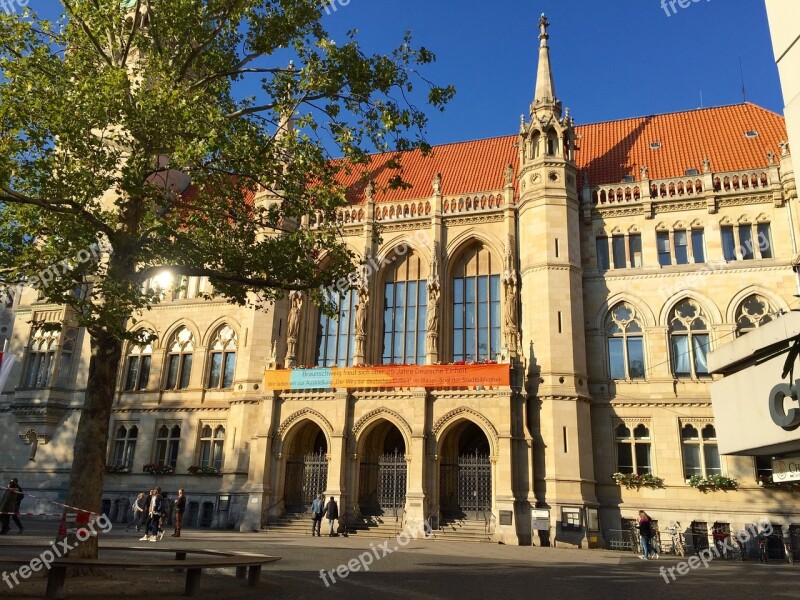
(415, 456)
(337, 460)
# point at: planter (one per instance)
(632, 481)
(713, 484)
(158, 469)
(117, 470)
(195, 470)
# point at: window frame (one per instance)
(691, 335)
(626, 337)
(326, 333)
(631, 441)
(124, 445)
(224, 345)
(702, 443)
(212, 446)
(169, 442)
(404, 320)
(179, 379)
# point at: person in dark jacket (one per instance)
(331, 513)
(180, 507)
(645, 527)
(8, 505)
(14, 485)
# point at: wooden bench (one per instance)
(248, 566)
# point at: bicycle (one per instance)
(678, 547)
(787, 546)
(762, 550)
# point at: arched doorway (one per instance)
(465, 473)
(382, 471)
(306, 467)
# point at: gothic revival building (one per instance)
(597, 265)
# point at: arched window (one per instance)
(179, 360)
(689, 340)
(140, 355)
(405, 311)
(211, 447)
(41, 357)
(336, 337)
(754, 311)
(633, 450)
(124, 446)
(700, 452)
(476, 306)
(223, 359)
(167, 445)
(625, 343)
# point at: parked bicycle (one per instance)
(787, 546)
(678, 547)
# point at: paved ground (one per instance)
(421, 570)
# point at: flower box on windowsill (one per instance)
(118, 469)
(196, 470)
(632, 481)
(155, 469)
(712, 483)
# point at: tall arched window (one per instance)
(754, 311)
(211, 445)
(140, 355)
(405, 311)
(124, 446)
(625, 343)
(633, 449)
(179, 360)
(41, 356)
(700, 452)
(167, 444)
(336, 337)
(476, 306)
(223, 358)
(689, 340)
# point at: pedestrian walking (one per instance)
(139, 506)
(148, 515)
(180, 507)
(331, 513)
(8, 505)
(317, 509)
(14, 485)
(645, 527)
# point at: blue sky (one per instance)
(611, 60)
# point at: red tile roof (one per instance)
(611, 150)
(607, 150)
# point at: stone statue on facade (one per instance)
(293, 327)
(361, 318)
(706, 165)
(643, 172)
(434, 293)
(511, 300)
(437, 184)
(509, 175)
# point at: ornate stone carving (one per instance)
(434, 293)
(510, 301)
(310, 413)
(470, 414)
(509, 175)
(293, 327)
(437, 184)
(361, 317)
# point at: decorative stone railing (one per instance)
(403, 210)
(735, 182)
(467, 204)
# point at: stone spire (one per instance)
(545, 95)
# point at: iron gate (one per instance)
(466, 487)
(382, 483)
(306, 477)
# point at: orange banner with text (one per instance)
(428, 376)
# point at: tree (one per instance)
(128, 147)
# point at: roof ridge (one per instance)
(678, 112)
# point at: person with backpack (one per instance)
(645, 527)
(317, 508)
(180, 507)
(139, 506)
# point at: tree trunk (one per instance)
(91, 440)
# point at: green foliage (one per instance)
(105, 116)
(156, 469)
(207, 470)
(712, 483)
(634, 481)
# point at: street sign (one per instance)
(786, 469)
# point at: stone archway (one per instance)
(465, 472)
(382, 470)
(306, 466)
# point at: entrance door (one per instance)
(306, 477)
(465, 473)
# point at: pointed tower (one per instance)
(552, 305)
